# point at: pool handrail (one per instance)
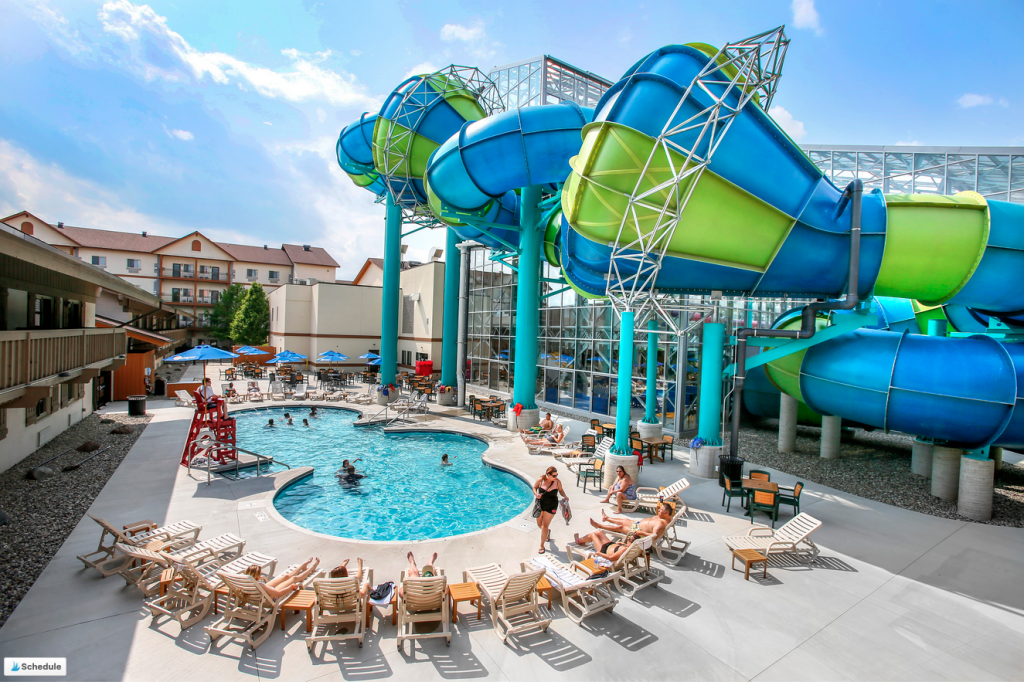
(207, 444)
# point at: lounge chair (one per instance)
(631, 572)
(669, 547)
(582, 595)
(250, 611)
(147, 565)
(183, 399)
(423, 600)
(276, 391)
(255, 396)
(510, 596)
(173, 536)
(793, 537)
(648, 498)
(603, 448)
(300, 392)
(338, 602)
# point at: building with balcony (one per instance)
(57, 361)
(191, 272)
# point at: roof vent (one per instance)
(264, 247)
(305, 247)
(143, 233)
(60, 226)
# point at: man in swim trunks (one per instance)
(606, 547)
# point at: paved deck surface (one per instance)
(895, 594)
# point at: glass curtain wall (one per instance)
(546, 80)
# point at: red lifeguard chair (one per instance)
(223, 430)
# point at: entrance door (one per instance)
(215, 273)
(176, 270)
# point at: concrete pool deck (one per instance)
(894, 595)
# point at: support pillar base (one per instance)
(704, 461)
(388, 399)
(976, 488)
(996, 453)
(831, 437)
(649, 430)
(788, 406)
(448, 398)
(527, 419)
(946, 472)
(921, 458)
(627, 462)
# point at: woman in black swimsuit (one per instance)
(546, 490)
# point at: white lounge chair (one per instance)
(669, 546)
(276, 390)
(250, 612)
(300, 392)
(631, 572)
(510, 596)
(172, 537)
(183, 399)
(601, 452)
(582, 595)
(423, 600)
(648, 498)
(339, 602)
(147, 565)
(791, 538)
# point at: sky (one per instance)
(222, 116)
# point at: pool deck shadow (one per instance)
(894, 594)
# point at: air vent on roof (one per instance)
(143, 233)
(305, 247)
(264, 247)
(60, 226)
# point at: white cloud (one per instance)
(468, 34)
(910, 143)
(793, 127)
(355, 53)
(180, 134)
(53, 194)
(56, 24)
(806, 16)
(146, 33)
(267, 123)
(321, 115)
(625, 35)
(422, 68)
(968, 100)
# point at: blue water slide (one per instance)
(356, 142)
(988, 288)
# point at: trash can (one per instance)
(728, 466)
(136, 406)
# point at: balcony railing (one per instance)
(192, 274)
(28, 356)
(188, 300)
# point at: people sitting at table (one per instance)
(213, 401)
(556, 436)
(623, 489)
(654, 525)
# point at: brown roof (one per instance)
(109, 239)
(315, 255)
(256, 254)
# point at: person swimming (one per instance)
(270, 424)
(444, 460)
(313, 412)
(351, 477)
(305, 422)
(345, 466)
(287, 416)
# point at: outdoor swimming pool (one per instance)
(406, 495)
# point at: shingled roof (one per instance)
(256, 254)
(315, 255)
(109, 239)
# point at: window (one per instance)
(134, 263)
(252, 274)
(421, 356)
(274, 274)
(204, 269)
(197, 245)
(100, 261)
(26, 228)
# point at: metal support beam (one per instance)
(843, 324)
(650, 413)
(389, 308)
(527, 300)
(709, 419)
(450, 326)
(624, 394)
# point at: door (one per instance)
(175, 294)
(176, 270)
(215, 274)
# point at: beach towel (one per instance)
(566, 511)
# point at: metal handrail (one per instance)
(210, 444)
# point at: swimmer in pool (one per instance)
(445, 462)
(351, 478)
(270, 424)
(305, 422)
(345, 466)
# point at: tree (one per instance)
(251, 325)
(223, 312)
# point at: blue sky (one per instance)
(222, 116)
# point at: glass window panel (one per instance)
(613, 393)
(1017, 179)
(524, 92)
(551, 386)
(569, 323)
(568, 357)
(961, 173)
(822, 160)
(582, 392)
(602, 357)
(513, 99)
(513, 78)
(474, 371)
(585, 322)
(670, 368)
(550, 99)
(600, 395)
(930, 173)
(844, 168)
(503, 377)
(899, 166)
(503, 81)
(492, 378)
(584, 355)
(565, 389)
(994, 174)
(603, 322)
(534, 66)
(869, 169)
(534, 84)
(524, 72)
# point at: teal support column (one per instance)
(936, 327)
(650, 414)
(450, 328)
(625, 387)
(389, 308)
(709, 419)
(527, 300)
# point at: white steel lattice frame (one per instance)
(758, 64)
(414, 105)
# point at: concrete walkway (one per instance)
(895, 594)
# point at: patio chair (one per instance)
(277, 391)
(648, 498)
(791, 496)
(255, 396)
(188, 598)
(250, 611)
(172, 536)
(593, 471)
(759, 475)
(766, 501)
(147, 565)
(423, 600)
(631, 572)
(582, 596)
(339, 603)
(793, 537)
(183, 399)
(300, 392)
(667, 447)
(669, 547)
(510, 596)
(588, 443)
(732, 489)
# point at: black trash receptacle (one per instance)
(731, 467)
(136, 406)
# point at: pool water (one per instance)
(407, 494)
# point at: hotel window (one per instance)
(274, 274)
(251, 274)
(197, 245)
(100, 261)
(134, 263)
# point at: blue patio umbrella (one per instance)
(332, 356)
(250, 350)
(374, 362)
(204, 353)
(369, 356)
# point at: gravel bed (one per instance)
(42, 514)
(875, 465)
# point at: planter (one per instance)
(627, 462)
(447, 399)
(704, 461)
(527, 419)
(649, 430)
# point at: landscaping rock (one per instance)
(123, 429)
(89, 445)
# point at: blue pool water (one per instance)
(406, 495)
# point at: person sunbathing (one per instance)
(342, 572)
(231, 392)
(253, 388)
(545, 425)
(414, 572)
(623, 489)
(655, 525)
(288, 582)
(553, 438)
